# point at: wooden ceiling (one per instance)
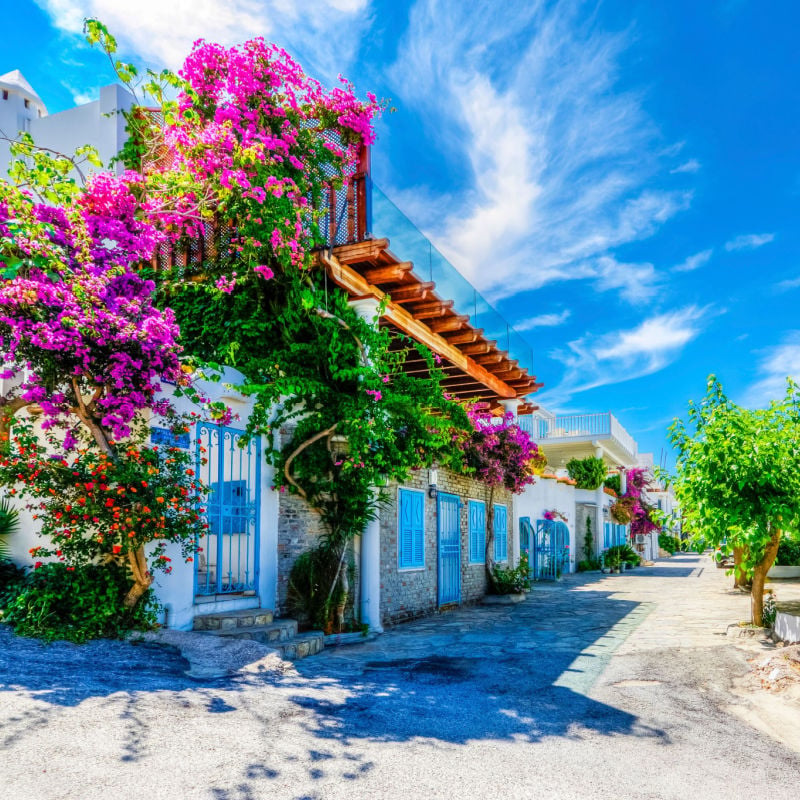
(475, 367)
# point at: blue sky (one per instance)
(622, 179)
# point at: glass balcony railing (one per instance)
(410, 244)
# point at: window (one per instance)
(5, 94)
(500, 533)
(477, 531)
(411, 529)
(27, 103)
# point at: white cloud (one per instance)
(636, 283)
(622, 355)
(694, 262)
(749, 241)
(561, 162)
(543, 321)
(788, 285)
(161, 33)
(776, 365)
(692, 165)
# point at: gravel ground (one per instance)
(598, 687)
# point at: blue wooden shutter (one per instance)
(477, 532)
(418, 531)
(411, 530)
(500, 534)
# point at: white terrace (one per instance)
(562, 437)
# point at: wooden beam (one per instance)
(431, 309)
(453, 323)
(465, 336)
(391, 273)
(490, 358)
(356, 285)
(359, 252)
(412, 292)
(510, 374)
(477, 348)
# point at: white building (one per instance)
(562, 438)
(98, 123)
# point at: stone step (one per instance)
(280, 630)
(281, 634)
(302, 645)
(231, 620)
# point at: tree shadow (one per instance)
(514, 674)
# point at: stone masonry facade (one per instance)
(405, 594)
(410, 593)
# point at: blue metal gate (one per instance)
(228, 555)
(547, 548)
(449, 533)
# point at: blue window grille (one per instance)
(477, 531)
(227, 560)
(411, 529)
(500, 533)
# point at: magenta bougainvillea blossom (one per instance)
(499, 451)
(77, 321)
(253, 139)
(641, 520)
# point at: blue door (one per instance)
(228, 546)
(449, 533)
(550, 550)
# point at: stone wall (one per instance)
(299, 529)
(410, 593)
(581, 513)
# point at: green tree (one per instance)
(738, 477)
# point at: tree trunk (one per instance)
(489, 559)
(740, 580)
(142, 579)
(760, 575)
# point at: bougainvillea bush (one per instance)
(85, 351)
(499, 454)
(641, 512)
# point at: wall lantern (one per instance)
(433, 477)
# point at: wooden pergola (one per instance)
(476, 367)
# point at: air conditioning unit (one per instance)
(639, 538)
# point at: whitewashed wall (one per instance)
(98, 123)
(544, 495)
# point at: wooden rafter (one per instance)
(365, 251)
(431, 309)
(464, 337)
(452, 323)
(358, 286)
(412, 292)
(476, 348)
(489, 358)
(390, 273)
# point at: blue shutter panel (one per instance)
(411, 533)
(500, 533)
(477, 532)
(418, 529)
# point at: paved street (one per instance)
(597, 687)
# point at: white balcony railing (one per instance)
(578, 427)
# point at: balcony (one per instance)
(562, 437)
(482, 356)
